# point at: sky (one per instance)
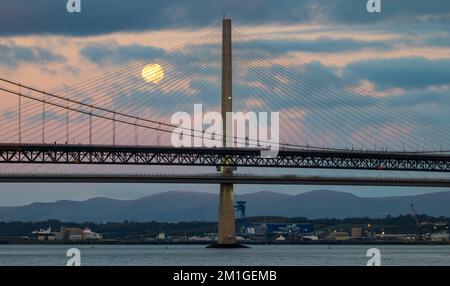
(401, 56)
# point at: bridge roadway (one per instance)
(238, 157)
(221, 178)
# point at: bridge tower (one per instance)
(227, 227)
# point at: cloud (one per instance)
(354, 11)
(11, 55)
(407, 72)
(423, 97)
(438, 41)
(327, 45)
(112, 52)
(50, 16)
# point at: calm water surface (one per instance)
(185, 255)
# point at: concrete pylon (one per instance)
(227, 227)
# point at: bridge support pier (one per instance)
(227, 225)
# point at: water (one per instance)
(186, 255)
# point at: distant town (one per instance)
(420, 229)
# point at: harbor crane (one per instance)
(416, 220)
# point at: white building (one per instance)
(440, 236)
(89, 234)
(161, 236)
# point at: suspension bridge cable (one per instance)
(354, 87)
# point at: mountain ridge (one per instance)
(176, 206)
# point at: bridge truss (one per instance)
(237, 157)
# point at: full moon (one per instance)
(153, 73)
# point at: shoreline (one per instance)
(137, 242)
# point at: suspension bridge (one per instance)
(120, 121)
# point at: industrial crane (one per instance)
(240, 207)
(416, 220)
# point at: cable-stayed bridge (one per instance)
(121, 121)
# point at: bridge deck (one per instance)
(220, 178)
(238, 157)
